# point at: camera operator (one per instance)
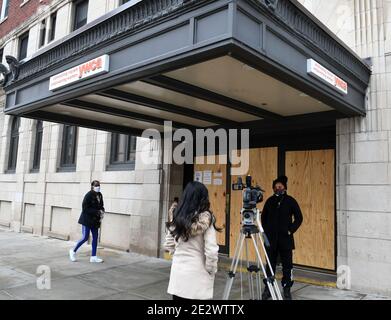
(277, 222)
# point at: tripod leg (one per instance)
(258, 279)
(234, 266)
(249, 274)
(275, 284)
(237, 249)
(271, 288)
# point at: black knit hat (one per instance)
(281, 179)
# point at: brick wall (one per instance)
(17, 14)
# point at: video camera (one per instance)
(251, 196)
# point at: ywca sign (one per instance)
(318, 71)
(86, 70)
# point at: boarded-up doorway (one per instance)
(263, 169)
(312, 183)
(214, 176)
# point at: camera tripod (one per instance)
(252, 233)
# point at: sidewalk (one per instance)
(122, 276)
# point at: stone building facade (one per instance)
(47, 201)
(364, 145)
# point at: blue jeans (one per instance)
(86, 233)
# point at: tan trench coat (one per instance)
(194, 262)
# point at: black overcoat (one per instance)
(281, 215)
(92, 204)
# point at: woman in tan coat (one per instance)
(191, 239)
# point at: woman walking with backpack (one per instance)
(90, 219)
(191, 239)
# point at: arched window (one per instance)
(13, 147)
(37, 145)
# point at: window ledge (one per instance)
(66, 169)
(24, 2)
(120, 167)
(4, 19)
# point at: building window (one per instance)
(23, 43)
(4, 9)
(123, 151)
(80, 14)
(42, 34)
(52, 30)
(68, 148)
(13, 147)
(37, 145)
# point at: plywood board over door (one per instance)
(217, 187)
(263, 169)
(312, 183)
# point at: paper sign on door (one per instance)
(198, 176)
(207, 177)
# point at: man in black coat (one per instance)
(277, 223)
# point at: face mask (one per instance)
(97, 189)
(280, 193)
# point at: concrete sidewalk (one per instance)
(122, 276)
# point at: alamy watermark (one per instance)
(199, 140)
(44, 279)
(344, 277)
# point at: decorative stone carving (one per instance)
(14, 67)
(4, 71)
(272, 4)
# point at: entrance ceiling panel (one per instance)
(101, 117)
(230, 77)
(179, 99)
(122, 105)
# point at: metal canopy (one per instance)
(196, 63)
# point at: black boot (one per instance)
(287, 293)
(287, 290)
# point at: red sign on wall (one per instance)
(86, 70)
(320, 72)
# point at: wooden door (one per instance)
(311, 182)
(263, 169)
(214, 176)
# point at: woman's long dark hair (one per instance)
(194, 201)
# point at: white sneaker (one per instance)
(96, 259)
(72, 255)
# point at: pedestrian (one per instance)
(191, 240)
(90, 219)
(277, 222)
